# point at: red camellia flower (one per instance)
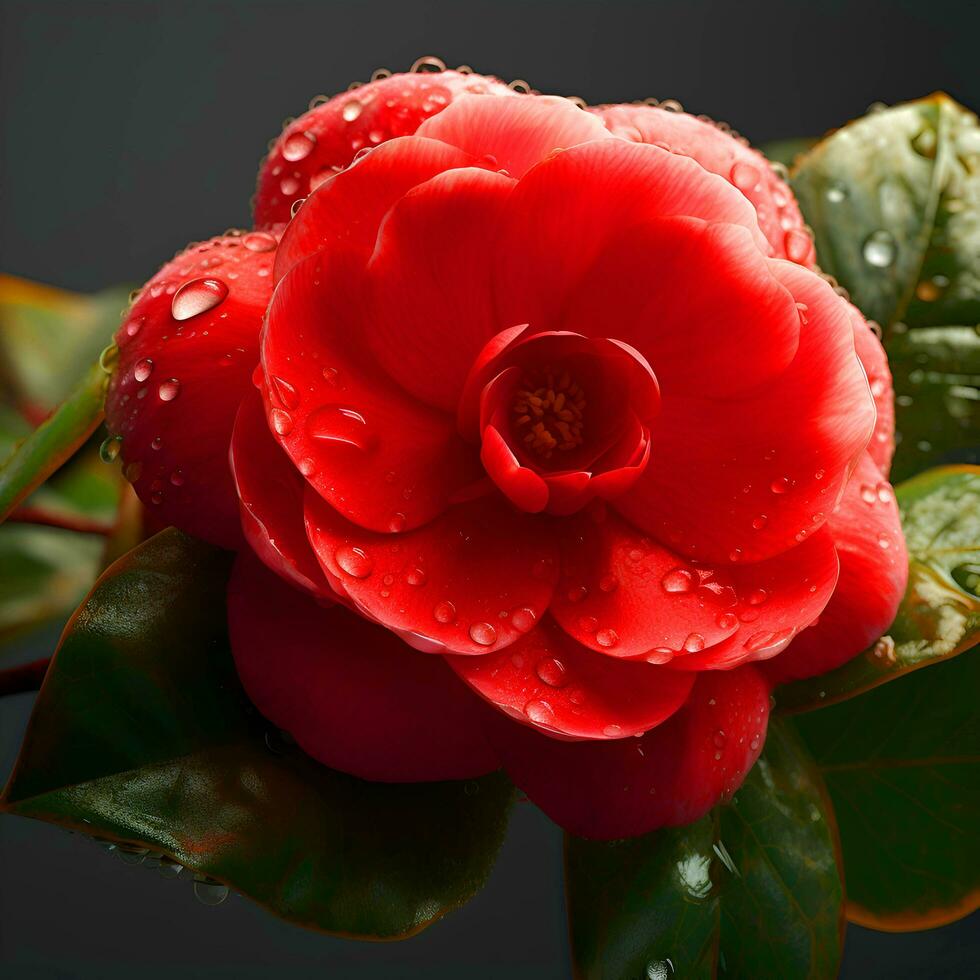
(558, 455)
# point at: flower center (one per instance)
(548, 413)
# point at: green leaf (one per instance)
(894, 201)
(142, 734)
(48, 335)
(46, 573)
(752, 890)
(902, 765)
(940, 614)
(54, 441)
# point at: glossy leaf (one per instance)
(894, 201)
(902, 764)
(53, 442)
(48, 335)
(752, 890)
(141, 734)
(940, 614)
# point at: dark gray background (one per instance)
(131, 128)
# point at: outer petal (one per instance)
(516, 134)
(576, 202)
(624, 595)
(873, 574)
(326, 139)
(550, 682)
(693, 297)
(270, 490)
(380, 457)
(428, 283)
(731, 158)
(672, 775)
(352, 695)
(875, 363)
(473, 580)
(744, 479)
(187, 348)
(347, 209)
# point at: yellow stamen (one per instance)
(551, 412)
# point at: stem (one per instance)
(67, 522)
(23, 677)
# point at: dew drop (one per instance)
(868, 494)
(779, 486)
(608, 583)
(196, 297)
(879, 249)
(298, 146)
(354, 561)
(169, 390)
(483, 634)
(210, 892)
(757, 597)
(552, 672)
(694, 643)
(612, 731)
(678, 580)
(523, 619)
(607, 638)
(259, 241)
(540, 712)
(727, 621)
(588, 624)
(285, 392)
(744, 176)
(109, 450)
(719, 738)
(416, 577)
(797, 244)
(884, 541)
(143, 369)
(351, 110)
(445, 612)
(281, 421)
(758, 523)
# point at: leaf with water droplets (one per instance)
(753, 889)
(143, 735)
(902, 765)
(940, 614)
(894, 201)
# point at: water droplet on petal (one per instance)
(210, 892)
(298, 146)
(719, 738)
(196, 297)
(727, 621)
(780, 485)
(351, 110)
(797, 244)
(483, 634)
(523, 619)
(416, 577)
(757, 597)
(281, 421)
(445, 612)
(613, 731)
(285, 392)
(694, 643)
(169, 390)
(259, 241)
(758, 523)
(744, 176)
(354, 561)
(552, 672)
(540, 712)
(109, 450)
(678, 580)
(143, 369)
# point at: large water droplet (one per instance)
(285, 392)
(281, 421)
(196, 297)
(209, 892)
(298, 146)
(354, 561)
(259, 241)
(338, 423)
(879, 249)
(552, 672)
(694, 643)
(351, 110)
(678, 580)
(445, 612)
(607, 638)
(540, 712)
(109, 450)
(483, 634)
(744, 176)
(143, 369)
(523, 619)
(169, 390)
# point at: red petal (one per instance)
(672, 775)
(352, 695)
(176, 389)
(744, 479)
(347, 209)
(713, 298)
(428, 283)
(383, 459)
(550, 682)
(722, 154)
(875, 363)
(565, 212)
(475, 579)
(624, 595)
(270, 490)
(873, 575)
(516, 134)
(327, 138)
